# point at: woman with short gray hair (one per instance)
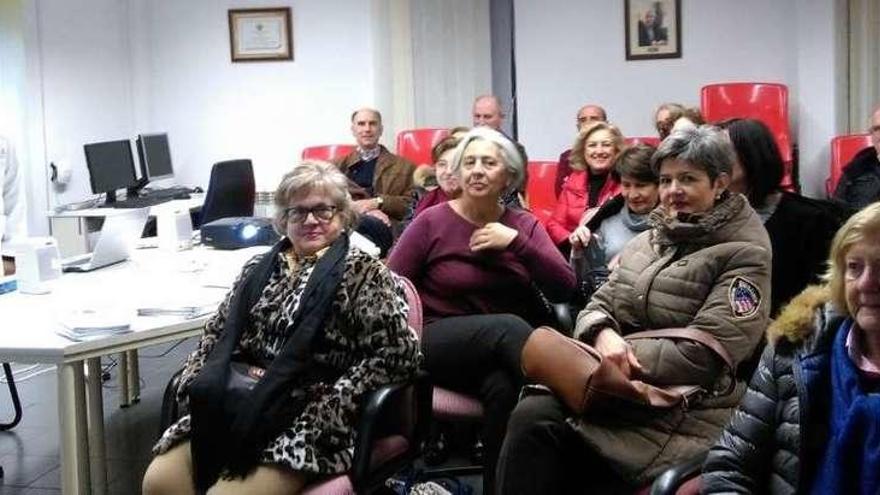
(703, 266)
(273, 389)
(476, 264)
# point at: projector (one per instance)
(239, 232)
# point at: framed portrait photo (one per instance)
(260, 35)
(653, 29)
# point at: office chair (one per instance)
(231, 191)
(416, 144)
(540, 189)
(327, 152)
(16, 402)
(649, 140)
(767, 102)
(843, 149)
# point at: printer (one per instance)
(239, 232)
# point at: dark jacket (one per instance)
(778, 433)
(800, 232)
(392, 181)
(860, 184)
(681, 275)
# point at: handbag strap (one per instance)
(694, 334)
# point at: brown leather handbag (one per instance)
(578, 375)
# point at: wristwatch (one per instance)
(379, 202)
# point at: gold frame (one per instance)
(260, 35)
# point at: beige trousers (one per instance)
(172, 474)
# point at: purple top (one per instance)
(434, 254)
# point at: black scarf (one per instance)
(228, 432)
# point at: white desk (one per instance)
(75, 229)
(152, 278)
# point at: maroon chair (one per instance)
(327, 152)
(843, 149)
(767, 102)
(446, 405)
(416, 144)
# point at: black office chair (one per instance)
(231, 191)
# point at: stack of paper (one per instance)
(186, 312)
(90, 324)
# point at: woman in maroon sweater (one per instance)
(478, 267)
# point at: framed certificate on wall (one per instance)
(260, 35)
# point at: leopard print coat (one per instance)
(367, 341)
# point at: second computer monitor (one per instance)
(155, 156)
(111, 167)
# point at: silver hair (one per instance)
(510, 154)
(706, 146)
(308, 176)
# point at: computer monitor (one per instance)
(111, 167)
(155, 156)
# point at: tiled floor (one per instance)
(29, 452)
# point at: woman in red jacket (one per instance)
(590, 183)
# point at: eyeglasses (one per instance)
(299, 214)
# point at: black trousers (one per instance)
(480, 355)
(542, 454)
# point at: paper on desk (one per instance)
(185, 312)
(94, 323)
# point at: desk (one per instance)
(75, 229)
(151, 278)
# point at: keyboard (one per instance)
(152, 198)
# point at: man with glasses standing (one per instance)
(380, 182)
(860, 184)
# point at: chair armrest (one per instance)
(562, 312)
(376, 409)
(670, 480)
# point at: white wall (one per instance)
(214, 109)
(79, 89)
(571, 52)
(110, 69)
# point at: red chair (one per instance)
(767, 102)
(327, 152)
(843, 149)
(539, 189)
(649, 140)
(416, 144)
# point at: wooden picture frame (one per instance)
(260, 35)
(653, 29)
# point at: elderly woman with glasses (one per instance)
(810, 421)
(701, 276)
(479, 266)
(316, 323)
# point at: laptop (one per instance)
(116, 240)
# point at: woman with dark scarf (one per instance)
(319, 324)
(596, 244)
(810, 421)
